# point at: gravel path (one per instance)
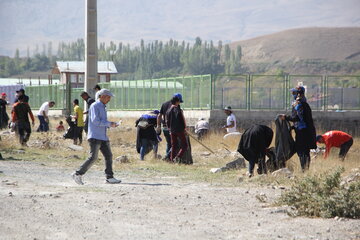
(42, 202)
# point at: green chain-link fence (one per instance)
(247, 92)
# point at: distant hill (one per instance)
(319, 44)
(25, 23)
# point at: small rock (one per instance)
(328, 230)
(11, 183)
(205, 154)
(75, 147)
(10, 194)
(19, 151)
(236, 164)
(215, 170)
(122, 159)
(279, 211)
(128, 129)
(261, 197)
(240, 179)
(282, 172)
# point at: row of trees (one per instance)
(152, 60)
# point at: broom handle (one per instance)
(200, 143)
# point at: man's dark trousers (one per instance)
(95, 146)
(44, 126)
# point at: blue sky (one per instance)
(26, 23)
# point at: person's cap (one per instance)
(294, 90)
(105, 92)
(3, 94)
(179, 96)
(156, 112)
(318, 137)
(298, 89)
(20, 90)
(228, 108)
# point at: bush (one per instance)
(324, 196)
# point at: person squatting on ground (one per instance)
(85, 96)
(44, 117)
(162, 120)
(201, 128)
(146, 137)
(20, 117)
(337, 139)
(4, 118)
(98, 139)
(230, 120)
(60, 127)
(177, 125)
(254, 144)
(79, 122)
(301, 116)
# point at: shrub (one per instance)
(323, 196)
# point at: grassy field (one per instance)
(51, 149)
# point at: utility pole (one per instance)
(91, 54)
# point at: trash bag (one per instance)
(187, 157)
(284, 142)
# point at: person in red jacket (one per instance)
(338, 139)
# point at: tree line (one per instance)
(148, 60)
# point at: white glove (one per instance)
(158, 130)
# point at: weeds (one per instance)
(324, 196)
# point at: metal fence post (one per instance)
(136, 94)
(151, 93)
(342, 95)
(183, 88)
(270, 98)
(212, 92)
(167, 87)
(191, 92)
(222, 97)
(128, 95)
(143, 93)
(200, 91)
(158, 92)
(249, 90)
(326, 99)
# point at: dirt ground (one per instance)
(38, 201)
(156, 200)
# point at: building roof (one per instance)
(79, 67)
(146, 84)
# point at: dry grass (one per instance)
(123, 140)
